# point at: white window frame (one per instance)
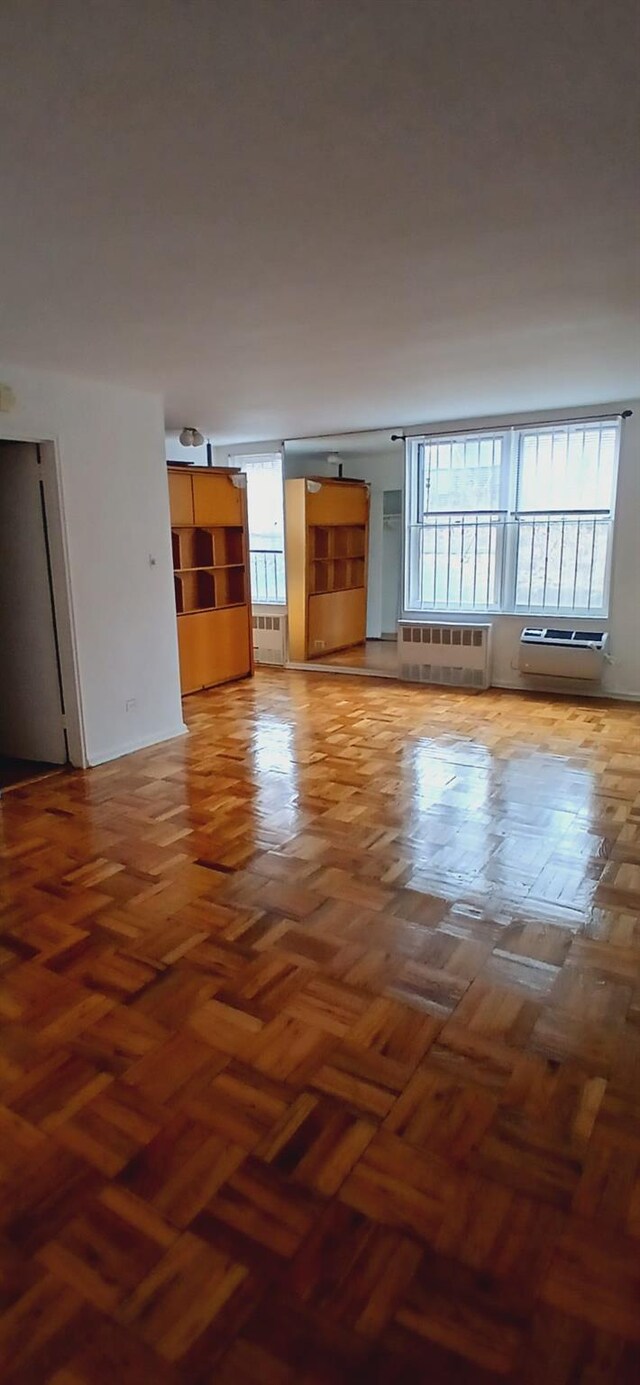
(245, 461)
(505, 602)
(414, 491)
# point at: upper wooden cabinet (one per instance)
(220, 503)
(210, 543)
(338, 502)
(326, 531)
(180, 497)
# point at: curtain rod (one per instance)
(526, 423)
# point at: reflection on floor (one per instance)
(14, 771)
(321, 1047)
(374, 655)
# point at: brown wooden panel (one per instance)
(295, 544)
(180, 497)
(336, 620)
(216, 500)
(214, 647)
(193, 644)
(338, 503)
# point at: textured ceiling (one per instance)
(298, 216)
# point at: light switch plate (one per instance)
(7, 399)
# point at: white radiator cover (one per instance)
(450, 654)
(269, 635)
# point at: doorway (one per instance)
(33, 737)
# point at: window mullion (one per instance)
(503, 530)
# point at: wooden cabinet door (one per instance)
(231, 644)
(336, 621)
(180, 498)
(216, 500)
(215, 646)
(338, 503)
(194, 647)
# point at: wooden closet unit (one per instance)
(326, 533)
(210, 543)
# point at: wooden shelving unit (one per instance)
(210, 546)
(327, 526)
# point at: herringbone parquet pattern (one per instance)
(321, 1047)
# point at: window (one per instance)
(266, 524)
(563, 516)
(511, 520)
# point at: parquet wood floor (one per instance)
(321, 1047)
(377, 656)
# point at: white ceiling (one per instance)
(298, 216)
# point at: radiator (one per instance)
(549, 653)
(454, 655)
(269, 637)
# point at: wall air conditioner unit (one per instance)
(269, 636)
(546, 653)
(453, 655)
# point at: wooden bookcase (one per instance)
(209, 539)
(326, 534)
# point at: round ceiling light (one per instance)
(191, 437)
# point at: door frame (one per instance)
(61, 588)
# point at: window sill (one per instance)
(484, 617)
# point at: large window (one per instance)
(266, 524)
(511, 520)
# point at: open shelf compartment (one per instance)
(340, 575)
(195, 591)
(203, 548)
(228, 546)
(321, 547)
(183, 548)
(230, 587)
(356, 572)
(321, 576)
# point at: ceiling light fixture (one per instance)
(191, 437)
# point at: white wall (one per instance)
(385, 471)
(306, 466)
(109, 444)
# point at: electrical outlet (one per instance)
(131, 705)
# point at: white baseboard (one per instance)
(316, 667)
(101, 757)
(552, 690)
